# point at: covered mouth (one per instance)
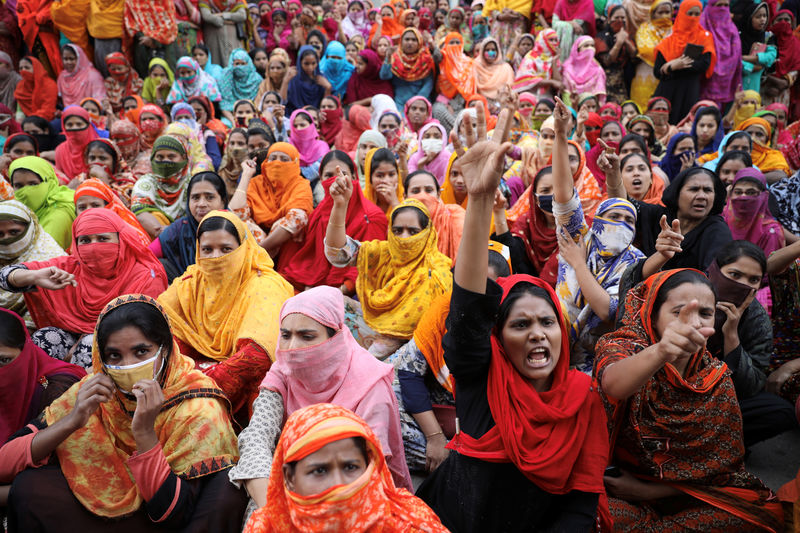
(538, 357)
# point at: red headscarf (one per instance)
(367, 83)
(539, 239)
(69, 154)
(593, 121)
(97, 189)
(556, 438)
(19, 379)
(332, 125)
(102, 271)
(357, 123)
(687, 30)
(37, 93)
(149, 136)
(788, 46)
(299, 262)
(412, 67)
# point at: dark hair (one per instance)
(634, 104)
(383, 155)
(519, 290)
(332, 99)
(636, 138)
(39, 122)
(238, 130)
(131, 97)
(736, 249)
(104, 147)
(337, 155)
(212, 178)
(240, 102)
(632, 155)
(273, 92)
(12, 331)
(140, 315)
(499, 264)
(676, 280)
(67, 47)
(256, 50)
(217, 223)
(708, 110)
(734, 155)
(360, 443)
(546, 101)
(389, 114)
(421, 217)
(738, 134)
(20, 138)
(612, 123)
(259, 129)
(419, 173)
(542, 172)
(203, 47)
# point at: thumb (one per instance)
(706, 331)
(663, 223)
(687, 310)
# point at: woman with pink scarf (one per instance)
(318, 361)
(432, 154)
(582, 73)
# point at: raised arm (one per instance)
(563, 184)
(482, 166)
(341, 190)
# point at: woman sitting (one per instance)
(771, 162)
(356, 490)
(304, 136)
(398, 277)
(191, 81)
(678, 453)
(532, 444)
(79, 131)
(299, 262)
(239, 81)
(176, 245)
(223, 308)
(23, 240)
(104, 162)
(730, 164)
(432, 154)
(35, 185)
(410, 68)
(155, 430)
(732, 142)
(447, 219)
(747, 212)
(278, 199)
(66, 294)
(647, 128)
(318, 361)
(382, 183)
(158, 198)
(454, 189)
(93, 193)
(640, 181)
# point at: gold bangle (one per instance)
(434, 434)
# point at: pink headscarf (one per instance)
(341, 372)
(307, 141)
(749, 218)
(581, 72)
(410, 101)
(69, 154)
(84, 81)
(437, 167)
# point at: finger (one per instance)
(687, 310)
(499, 156)
(606, 148)
(676, 226)
(455, 141)
(504, 124)
(663, 223)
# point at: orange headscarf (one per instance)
(412, 67)
(96, 188)
(370, 503)
(448, 195)
(764, 157)
(687, 30)
(279, 188)
(428, 338)
(491, 77)
(369, 192)
(456, 68)
(448, 219)
(193, 428)
(390, 28)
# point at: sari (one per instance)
(120, 85)
(299, 263)
(97, 189)
(153, 18)
(120, 175)
(413, 67)
(448, 195)
(491, 77)
(330, 126)
(648, 35)
(428, 339)
(22, 379)
(722, 85)
(279, 189)
(199, 160)
(749, 217)
(764, 157)
(448, 221)
(537, 65)
(438, 166)
(220, 302)
(698, 415)
(193, 427)
(102, 271)
(367, 83)
(399, 277)
(582, 73)
(163, 194)
(238, 82)
(456, 73)
(37, 92)
(128, 140)
(358, 121)
(198, 83)
(52, 203)
(306, 141)
(34, 244)
(371, 502)
(304, 90)
(69, 154)
(687, 30)
(83, 81)
(568, 10)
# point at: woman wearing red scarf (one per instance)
(77, 127)
(410, 68)
(683, 59)
(108, 260)
(365, 81)
(532, 444)
(674, 416)
(37, 93)
(123, 80)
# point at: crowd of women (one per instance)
(245, 280)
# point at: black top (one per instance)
(680, 87)
(520, 263)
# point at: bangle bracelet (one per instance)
(434, 434)
(336, 225)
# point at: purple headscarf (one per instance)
(727, 76)
(749, 218)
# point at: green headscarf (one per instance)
(53, 204)
(150, 89)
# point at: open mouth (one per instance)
(701, 206)
(538, 358)
(636, 182)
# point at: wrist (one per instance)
(146, 440)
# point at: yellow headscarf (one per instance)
(369, 192)
(398, 278)
(447, 195)
(764, 157)
(221, 300)
(193, 427)
(747, 111)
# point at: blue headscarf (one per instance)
(215, 71)
(712, 165)
(239, 82)
(304, 90)
(671, 164)
(713, 146)
(337, 71)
